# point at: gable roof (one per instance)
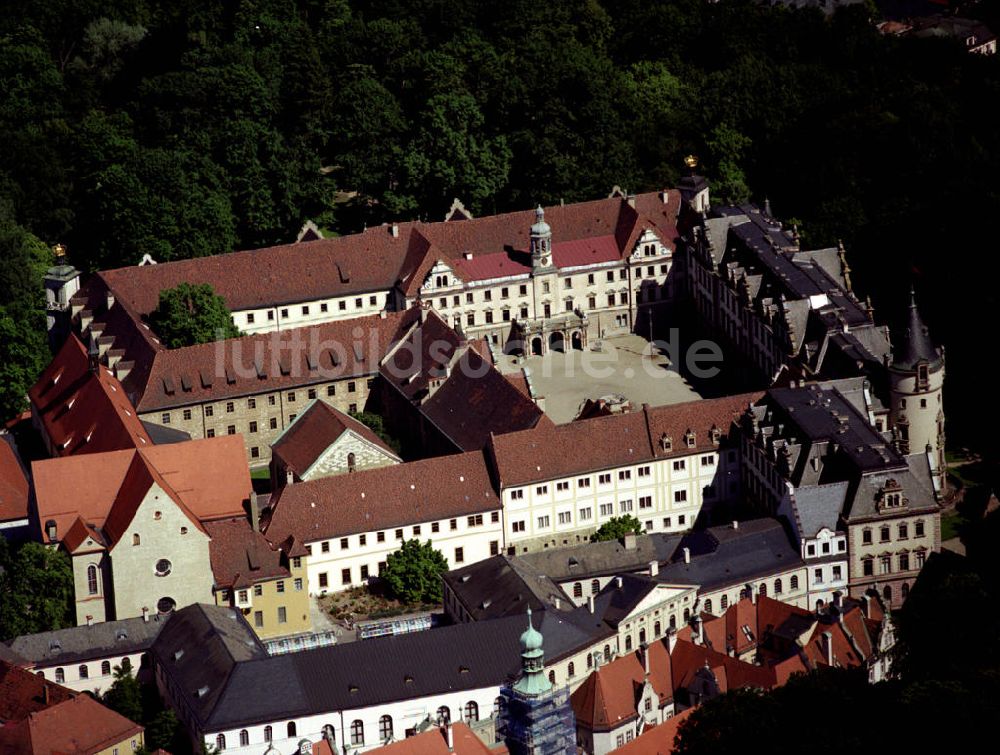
(434, 742)
(86, 642)
(241, 556)
(84, 411)
(209, 476)
(80, 725)
(610, 695)
(501, 586)
(13, 484)
(23, 693)
(314, 431)
(656, 740)
(381, 498)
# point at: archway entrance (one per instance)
(556, 341)
(536, 346)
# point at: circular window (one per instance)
(162, 567)
(166, 605)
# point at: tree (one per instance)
(124, 696)
(163, 731)
(191, 314)
(376, 424)
(36, 589)
(616, 528)
(413, 573)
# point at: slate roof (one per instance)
(725, 556)
(502, 586)
(382, 498)
(314, 431)
(13, 483)
(589, 560)
(246, 687)
(84, 643)
(916, 345)
(817, 506)
(84, 411)
(210, 476)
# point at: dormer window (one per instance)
(666, 443)
(891, 495)
(715, 434)
(689, 439)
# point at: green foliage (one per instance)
(190, 314)
(413, 573)
(124, 696)
(164, 731)
(36, 589)
(376, 424)
(616, 528)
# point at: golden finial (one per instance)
(691, 161)
(60, 250)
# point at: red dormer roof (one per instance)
(610, 695)
(84, 411)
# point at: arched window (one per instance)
(444, 714)
(329, 733)
(819, 604)
(628, 642)
(687, 614)
(106, 668)
(84, 671)
(887, 594)
(708, 606)
(352, 463)
(577, 589)
(762, 590)
(472, 711)
(724, 602)
(794, 582)
(595, 586)
(656, 629)
(126, 664)
(357, 732)
(572, 669)
(777, 587)
(135, 541)
(244, 738)
(92, 580)
(673, 622)
(552, 677)
(60, 675)
(268, 733)
(385, 728)
(291, 728)
(642, 636)
(220, 741)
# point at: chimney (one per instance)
(110, 300)
(645, 658)
(828, 647)
(699, 630)
(449, 737)
(629, 541)
(145, 614)
(753, 593)
(838, 600)
(556, 602)
(869, 604)
(654, 568)
(736, 525)
(590, 603)
(619, 581)
(45, 693)
(394, 230)
(90, 620)
(289, 476)
(687, 555)
(254, 511)
(664, 196)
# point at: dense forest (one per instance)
(195, 127)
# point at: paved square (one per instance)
(567, 379)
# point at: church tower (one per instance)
(535, 716)
(541, 242)
(916, 379)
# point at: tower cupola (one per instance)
(541, 240)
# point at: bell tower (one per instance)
(916, 380)
(541, 242)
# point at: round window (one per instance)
(162, 567)
(166, 605)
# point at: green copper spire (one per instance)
(533, 680)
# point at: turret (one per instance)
(541, 241)
(533, 680)
(916, 377)
(693, 187)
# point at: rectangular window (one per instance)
(342, 305)
(607, 509)
(625, 474)
(494, 547)
(284, 314)
(459, 555)
(250, 319)
(475, 521)
(358, 303)
(583, 482)
(543, 521)
(380, 537)
(364, 572)
(495, 517)
(517, 526)
(604, 479)
(305, 309)
(644, 471)
(231, 430)
(399, 534)
(325, 547)
(272, 400)
(522, 290)
(298, 584)
(280, 585)
(297, 562)
(270, 315)
(679, 465)
(708, 461)
(210, 433)
(565, 517)
(312, 393)
(230, 407)
(323, 580)
(165, 418)
(542, 490)
(253, 426)
(562, 487)
(416, 530)
(258, 619)
(331, 390)
(343, 543)
(453, 524)
(646, 502)
(273, 423)
(254, 452)
(258, 590)
(352, 387)
(680, 496)
(282, 615)
(666, 522)
(187, 414)
(585, 513)
(517, 495)
(345, 576)
(209, 411)
(625, 506)
(324, 307)
(469, 298)
(362, 540)
(291, 397)
(435, 526)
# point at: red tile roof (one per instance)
(240, 556)
(610, 695)
(592, 251)
(658, 740)
(314, 431)
(77, 726)
(23, 692)
(433, 742)
(210, 476)
(674, 420)
(13, 484)
(84, 411)
(268, 361)
(687, 658)
(382, 498)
